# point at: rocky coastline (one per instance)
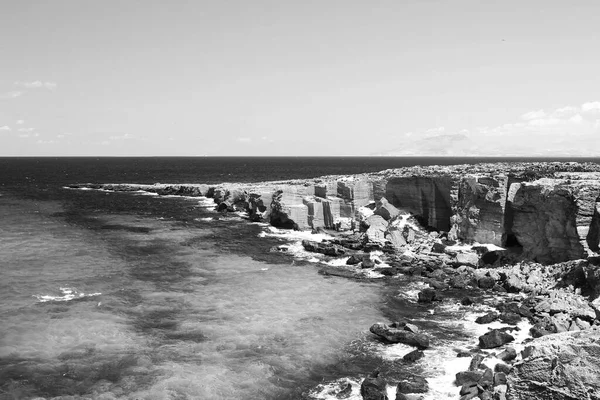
(531, 229)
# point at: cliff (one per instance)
(545, 212)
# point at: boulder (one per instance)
(494, 338)
(428, 295)
(373, 387)
(413, 356)
(508, 354)
(400, 335)
(376, 230)
(384, 209)
(470, 259)
(412, 384)
(487, 318)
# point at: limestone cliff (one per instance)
(547, 212)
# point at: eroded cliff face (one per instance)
(547, 212)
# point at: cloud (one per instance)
(577, 118)
(126, 136)
(591, 106)
(569, 130)
(10, 95)
(5, 128)
(244, 139)
(539, 114)
(37, 85)
(26, 129)
(20, 122)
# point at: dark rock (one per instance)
(485, 395)
(487, 318)
(413, 356)
(395, 335)
(494, 338)
(487, 380)
(508, 354)
(504, 368)
(470, 392)
(413, 384)
(354, 259)
(373, 388)
(476, 362)
(438, 284)
(438, 248)
(510, 318)
(468, 377)
(345, 392)
(328, 249)
(487, 282)
(466, 301)
(499, 378)
(428, 296)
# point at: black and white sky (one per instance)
(313, 78)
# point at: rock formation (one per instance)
(545, 212)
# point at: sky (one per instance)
(299, 78)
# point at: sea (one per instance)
(108, 295)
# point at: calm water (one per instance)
(112, 295)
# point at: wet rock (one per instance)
(413, 356)
(499, 378)
(428, 296)
(487, 379)
(469, 391)
(466, 301)
(501, 367)
(328, 249)
(508, 354)
(354, 259)
(373, 387)
(345, 392)
(465, 377)
(487, 318)
(396, 335)
(510, 318)
(494, 338)
(487, 282)
(476, 362)
(412, 384)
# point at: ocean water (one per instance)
(131, 296)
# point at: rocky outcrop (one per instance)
(563, 366)
(547, 212)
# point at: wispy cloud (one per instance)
(10, 95)
(568, 130)
(26, 129)
(532, 115)
(20, 122)
(36, 85)
(5, 128)
(244, 139)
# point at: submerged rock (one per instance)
(400, 335)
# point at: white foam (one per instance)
(67, 294)
(207, 219)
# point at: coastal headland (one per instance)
(502, 228)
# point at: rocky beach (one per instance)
(518, 240)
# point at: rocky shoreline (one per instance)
(531, 229)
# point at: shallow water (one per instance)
(141, 307)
